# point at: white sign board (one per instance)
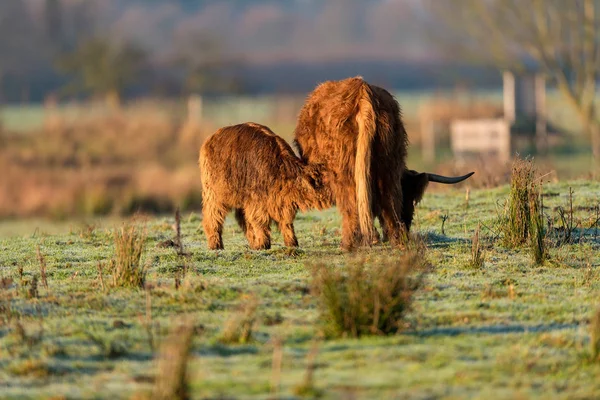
(483, 137)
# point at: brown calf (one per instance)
(249, 168)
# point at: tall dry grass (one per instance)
(477, 254)
(523, 221)
(239, 327)
(99, 167)
(172, 375)
(127, 268)
(517, 221)
(367, 298)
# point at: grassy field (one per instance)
(508, 330)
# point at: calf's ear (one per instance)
(414, 185)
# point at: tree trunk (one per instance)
(113, 100)
(594, 131)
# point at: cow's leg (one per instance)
(240, 217)
(350, 226)
(384, 236)
(391, 211)
(259, 223)
(213, 217)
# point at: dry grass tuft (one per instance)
(477, 254)
(238, 329)
(524, 219)
(537, 231)
(516, 225)
(595, 335)
(172, 380)
(42, 261)
(32, 292)
(368, 299)
(126, 267)
(307, 388)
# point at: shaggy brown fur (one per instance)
(413, 188)
(249, 168)
(354, 129)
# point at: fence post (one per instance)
(193, 119)
(428, 139)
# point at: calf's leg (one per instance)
(287, 231)
(259, 223)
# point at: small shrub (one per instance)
(126, 267)
(171, 381)
(515, 226)
(595, 335)
(362, 299)
(566, 233)
(238, 329)
(477, 255)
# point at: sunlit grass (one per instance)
(504, 330)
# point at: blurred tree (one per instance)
(53, 19)
(18, 38)
(207, 68)
(561, 38)
(102, 68)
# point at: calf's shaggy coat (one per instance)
(249, 168)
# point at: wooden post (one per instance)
(427, 139)
(193, 119)
(541, 126)
(509, 96)
(194, 109)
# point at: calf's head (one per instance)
(314, 190)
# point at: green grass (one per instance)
(508, 330)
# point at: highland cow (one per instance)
(249, 168)
(356, 132)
